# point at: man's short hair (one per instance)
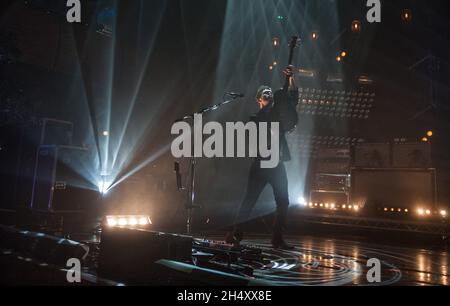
(263, 89)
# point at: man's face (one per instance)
(265, 99)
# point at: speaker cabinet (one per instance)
(19, 143)
(399, 188)
(59, 185)
(330, 197)
(56, 132)
(333, 160)
(372, 155)
(412, 155)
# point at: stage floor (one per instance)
(317, 261)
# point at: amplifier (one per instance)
(334, 153)
(129, 254)
(412, 155)
(332, 181)
(333, 167)
(58, 186)
(335, 198)
(393, 188)
(333, 160)
(372, 155)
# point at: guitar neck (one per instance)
(286, 82)
(292, 45)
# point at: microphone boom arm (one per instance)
(191, 189)
(209, 108)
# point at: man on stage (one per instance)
(276, 107)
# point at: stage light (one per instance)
(275, 42)
(356, 207)
(350, 207)
(321, 205)
(356, 26)
(274, 63)
(338, 58)
(103, 187)
(315, 204)
(105, 133)
(443, 213)
(327, 205)
(128, 220)
(144, 221)
(133, 221)
(420, 211)
(310, 204)
(333, 205)
(385, 209)
(335, 77)
(111, 222)
(430, 133)
(344, 206)
(306, 73)
(343, 54)
(314, 35)
(302, 201)
(406, 15)
(270, 67)
(428, 212)
(424, 139)
(392, 209)
(406, 210)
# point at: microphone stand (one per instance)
(190, 204)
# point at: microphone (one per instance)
(236, 94)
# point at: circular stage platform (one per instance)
(332, 262)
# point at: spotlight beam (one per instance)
(110, 91)
(84, 170)
(146, 162)
(139, 82)
(339, 35)
(90, 103)
(139, 137)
